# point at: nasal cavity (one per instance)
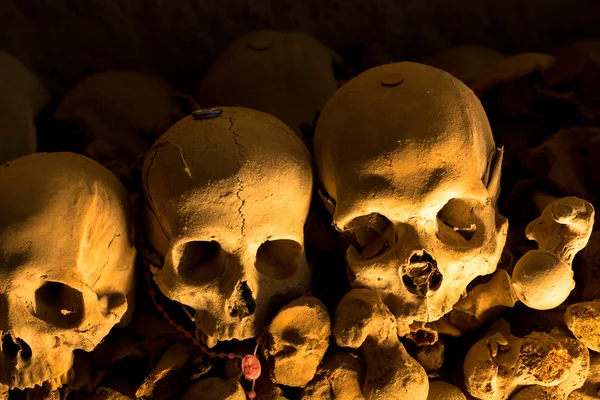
(421, 275)
(15, 347)
(242, 303)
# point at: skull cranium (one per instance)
(406, 155)
(66, 264)
(227, 201)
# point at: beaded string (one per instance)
(250, 365)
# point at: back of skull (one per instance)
(227, 200)
(125, 109)
(66, 263)
(406, 153)
(286, 74)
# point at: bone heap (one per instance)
(303, 241)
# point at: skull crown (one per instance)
(226, 202)
(410, 170)
(66, 264)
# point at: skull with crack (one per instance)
(410, 169)
(66, 264)
(226, 202)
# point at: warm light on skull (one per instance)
(66, 264)
(406, 155)
(231, 225)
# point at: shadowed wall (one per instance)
(64, 40)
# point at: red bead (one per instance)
(212, 354)
(260, 340)
(197, 343)
(166, 315)
(251, 367)
(152, 292)
(204, 349)
(231, 356)
(252, 395)
(222, 355)
(188, 335)
(159, 308)
(172, 323)
(180, 328)
(147, 274)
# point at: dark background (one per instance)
(65, 40)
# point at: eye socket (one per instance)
(278, 259)
(59, 305)
(371, 235)
(200, 261)
(458, 221)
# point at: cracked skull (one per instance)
(227, 199)
(411, 173)
(66, 264)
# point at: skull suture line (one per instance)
(406, 155)
(227, 199)
(66, 264)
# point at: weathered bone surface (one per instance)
(340, 377)
(22, 98)
(499, 363)
(66, 263)
(543, 279)
(160, 383)
(425, 221)
(583, 320)
(215, 389)
(431, 357)
(589, 264)
(440, 390)
(297, 340)
(125, 110)
(483, 303)
(227, 199)
(591, 388)
(464, 62)
(286, 74)
(363, 321)
(577, 374)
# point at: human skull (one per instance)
(289, 75)
(66, 264)
(227, 200)
(407, 160)
(123, 109)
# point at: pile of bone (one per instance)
(287, 233)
